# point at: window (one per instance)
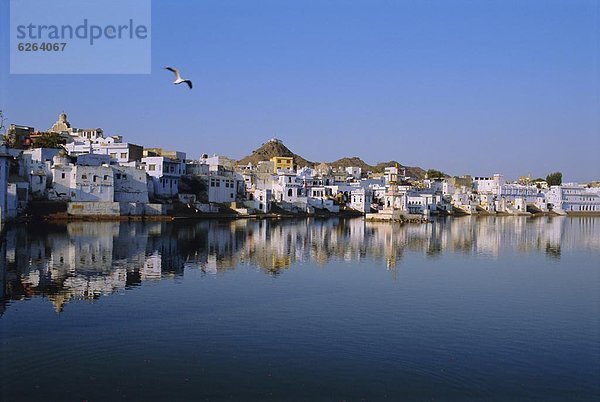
(84, 176)
(152, 167)
(118, 175)
(113, 155)
(123, 155)
(105, 177)
(95, 177)
(290, 192)
(62, 176)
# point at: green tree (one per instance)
(49, 140)
(435, 174)
(554, 179)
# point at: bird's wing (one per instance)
(189, 83)
(176, 71)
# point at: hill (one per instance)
(275, 147)
(412, 171)
(271, 148)
(351, 161)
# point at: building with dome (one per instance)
(81, 141)
(61, 125)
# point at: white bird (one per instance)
(178, 79)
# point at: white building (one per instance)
(224, 187)
(83, 183)
(35, 167)
(93, 160)
(361, 199)
(197, 168)
(217, 162)
(165, 173)
(570, 197)
(354, 171)
(488, 184)
(120, 152)
(287, 188)
(130, 184)
(32, 158)
(422, 203)
(260, 199)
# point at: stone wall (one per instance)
(93, 209)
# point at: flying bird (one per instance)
(178, 79)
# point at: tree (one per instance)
(435, 174)
(554, 179)
(6, 135)
(3, 134)
(49, 140)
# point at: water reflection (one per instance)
(83, 260)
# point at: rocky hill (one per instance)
(275, 147)
(271, 148)
(412, 171)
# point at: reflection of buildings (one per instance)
(83, 261)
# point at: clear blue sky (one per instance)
(468, 87)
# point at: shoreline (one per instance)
(55, 218)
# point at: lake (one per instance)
(488, 308)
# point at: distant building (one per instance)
(216, 160)
(61, 125)
(569, 198)
(120, 152)
(282, 163)
(354, 171)
(488, 184)
(361, 199)
(20, 136)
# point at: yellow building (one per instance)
(282, 162)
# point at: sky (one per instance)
(467, 87)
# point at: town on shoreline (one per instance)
(73, 173)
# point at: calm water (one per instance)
(464, 309)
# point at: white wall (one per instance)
(130, 184)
